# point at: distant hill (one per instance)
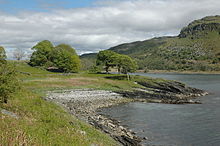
(88, 60)
(197, 47)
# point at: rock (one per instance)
(132, 132)
(121, 127)
(171, 92)
(129, 135)
(82, 132)
(126, 141)
(111, 125)
(8, 113)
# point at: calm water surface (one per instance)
(176, 125)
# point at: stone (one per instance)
(8, 113)
(82, 132)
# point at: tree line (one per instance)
(64, 57)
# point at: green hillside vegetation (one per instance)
(88, 60)
(196, 48)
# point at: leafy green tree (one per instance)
(125, 64)
(41, 54)
(106, 58)
(2, 55)
(67, 48)
(65, 58)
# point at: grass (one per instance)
(44, 123)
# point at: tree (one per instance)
(41, 54)
(18, 54)
(67, 48)
(106, 58)
(124, 63)
(2, 55)
(65, 58)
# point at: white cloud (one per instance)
(108, 24)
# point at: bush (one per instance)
(8, 82)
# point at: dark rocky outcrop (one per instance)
(194, 30)
(171, 92)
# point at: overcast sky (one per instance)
(92, 25)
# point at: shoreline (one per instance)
(84, 104)
(86, 109)
(179, 72)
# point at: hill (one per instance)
(88, 60)
(197, 48)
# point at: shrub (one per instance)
(8, 82)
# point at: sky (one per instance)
(93, 25)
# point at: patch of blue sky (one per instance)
(15, 6)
